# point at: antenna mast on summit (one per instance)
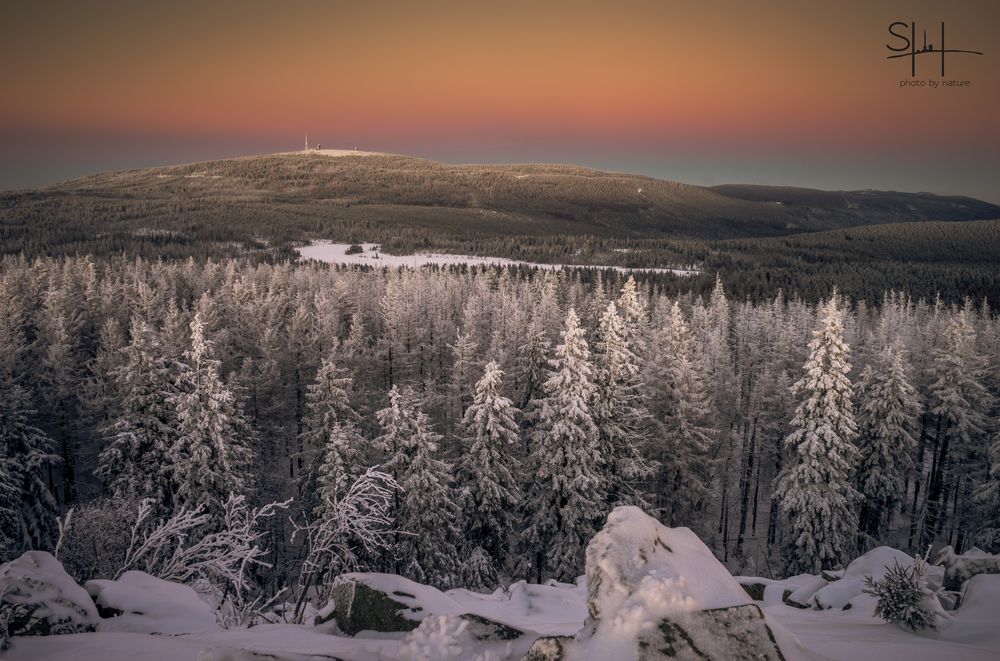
(307, 142)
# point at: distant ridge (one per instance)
(349, 195)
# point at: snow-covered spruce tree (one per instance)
(490, 493)
(959, 402)
(814, 489)
(27, 507)
(427, 515)
(530, 362)
(988, 498)
(340, 465)
(464, 350)
(904, 598)
(619, 411)
(680, 406)
(135, 462)
(329, 425)
(210, 458)
(887, 410)
(633, 313)
(566, 494)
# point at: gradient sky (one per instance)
(702, 92)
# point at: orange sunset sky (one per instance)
(704, 92)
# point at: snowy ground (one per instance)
(851, 635)
(336, 253)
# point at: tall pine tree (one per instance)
(680, 406)
(887, 410)
(619, 411)
(490, 492)
(427, 515)
(566, 495)
(814, 489)
(135, 461)
(27, 506)
(210, 458)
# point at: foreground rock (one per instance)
(388, 603)
(38, 598)
(659, 593)
(960, 568)
(140, 603)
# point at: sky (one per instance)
(795, 93)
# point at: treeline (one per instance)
(172, 221)
(513, 409)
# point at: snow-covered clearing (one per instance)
(336, 253)
(851, 635)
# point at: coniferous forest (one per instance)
(469, 427)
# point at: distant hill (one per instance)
(876, 207)
(277, 199)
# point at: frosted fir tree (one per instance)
(340, 468)
(987, 496)
(135, 462)
(490, 494)
(959, 402)
(210, 458)
(887, 410)
(27, 506)
(462, 376)
(633, 313)
(530, 366)
(566, 493)
(619, 412)
(328, 408)
(680, 406)
(427, 515)
(341, 463)
(814, 490)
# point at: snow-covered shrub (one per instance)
(217, 562)
(360, 521)
(38, 597)
(92, 544)
(903, 598)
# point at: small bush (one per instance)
(902, 598)
(354, 249)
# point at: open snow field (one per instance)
(336, 253)
(851, 635)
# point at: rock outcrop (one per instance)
(659, 593)
(38, 598)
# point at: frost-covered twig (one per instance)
(64, 525)
(361, 518)
(219, 560)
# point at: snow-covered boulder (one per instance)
(960, 568)
(386, 602)
(382, 602)
(655, 593)
(801, 597)
(634, 554)
(978, 617)
(764, 589)
(38, 597)
(140, 603)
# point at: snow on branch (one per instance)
(358, 521)
(180, 549)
